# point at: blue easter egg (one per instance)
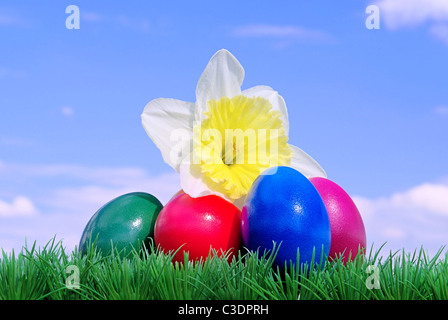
(284, 207)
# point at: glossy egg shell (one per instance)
(126, 221)
(283, 206)
(347, 228)
(198, 224)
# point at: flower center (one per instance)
(239, 138)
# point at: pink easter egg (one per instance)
(348, 234)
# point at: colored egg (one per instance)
(124, 223)
(284, 207)
(348, 235)
(197, 225)
(177, 193)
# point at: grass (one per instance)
(44, 273)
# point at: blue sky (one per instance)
(371, 106)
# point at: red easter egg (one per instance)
(198, 224)
(348, 234)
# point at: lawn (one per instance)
(51, 273)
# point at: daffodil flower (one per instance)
(221, 143)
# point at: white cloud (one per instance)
(409, 13)
(88, 198)
(440, 32)
(409, 219)
(285, 35)
(15, 142)
(136, 24)
(62, 198)
(266, 30)
(6, 72)
(124, 21)
(120, 179)
(19, 207)
(431, 198)
(6, 20)
(10, 20)
(91, 16)
(67, 111)
(14, 233)
(441, 110)
(398, 14)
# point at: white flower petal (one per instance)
(222, 77)
(276, 100)
(169, 123)
(306, 165)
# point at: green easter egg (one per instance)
(124, 223)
